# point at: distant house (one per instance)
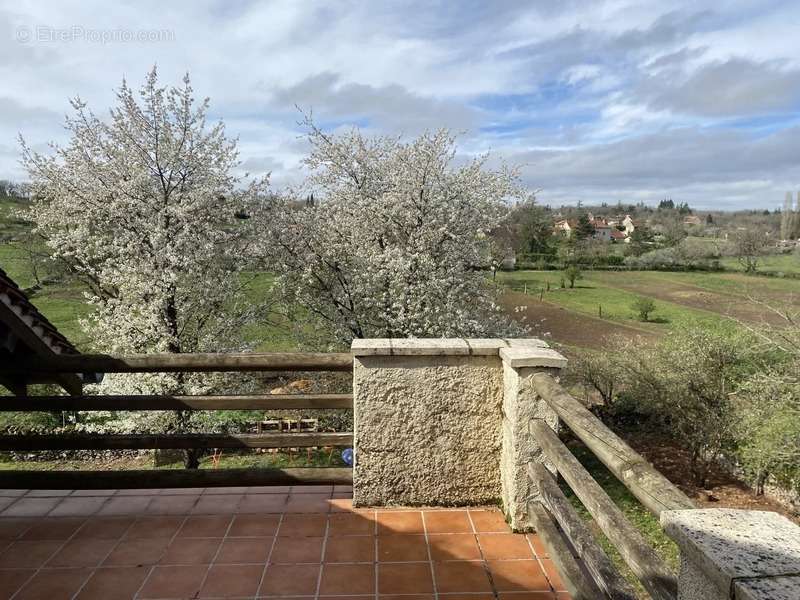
(618, 236)
(692, 220)
(565, 227)
(629, 225)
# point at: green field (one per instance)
(597, 296)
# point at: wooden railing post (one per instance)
(521, 405)
(735, 554)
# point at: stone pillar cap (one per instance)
(440, 346)
(729, 545)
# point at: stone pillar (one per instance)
(521, 405)
(731, 554)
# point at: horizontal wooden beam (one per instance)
(172, 478)
(180, 363)
(265, 402)
(651, 488)
(597, 563)
(578, 582)
(659, 581)
(30, 442)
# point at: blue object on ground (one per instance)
(347, 456)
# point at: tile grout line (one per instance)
(430, 556)
(322, 556)
(216, 554)
(153, 567)
(269, 555)
(541, 565)
(484, 562)
(49, 558)
(100, 563)
(376, 551)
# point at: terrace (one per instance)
(453, 493)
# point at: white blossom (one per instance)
(141, 207)
(397, 244)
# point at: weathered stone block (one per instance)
(752, 554)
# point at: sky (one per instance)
(595, 101)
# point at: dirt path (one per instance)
(692, 296)
(550, 321)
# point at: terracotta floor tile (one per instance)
(82, 553)
(402, 548)
(125, 505)
(225, 581)
(421, 597)
(489, 521)
(351, 548)
(154, 527)
(263, 503)
(31, 507)
(504, 546)
(348, 579)
(171, 505)
(297, 550)
(78, 507)
(461, 577)
(553, 575)
(13, 528)
(116, 583)
(303, 525)
(254, 525)
(408, 578)
(106, 493)
(351, 524)
(307, 503)
(217, 504)
(48, 493)
(29, 554)
(518, 576)
(182, 491)
(563, 596)
(468, 597)
(132, 553)
(53, 529)
(190, 551)
(393, 522)
(290, 580)
(454, 546)
(538, 546)
(205, 526)
(174, 582)
(139, 492)
(225, 491)
(447, 521)
(244, 550)
(110, 528)
(341, 505)
(269, 489)
(525, 596)
(13, 579)
(312, 489)
(53, 584)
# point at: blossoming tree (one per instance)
(141, 207)
(397, 244)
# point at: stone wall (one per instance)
(445, 422)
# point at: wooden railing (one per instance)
(570, 543)
(154, 363)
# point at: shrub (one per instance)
(643, 307)
(572, 273)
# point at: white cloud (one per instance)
(606, 98)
